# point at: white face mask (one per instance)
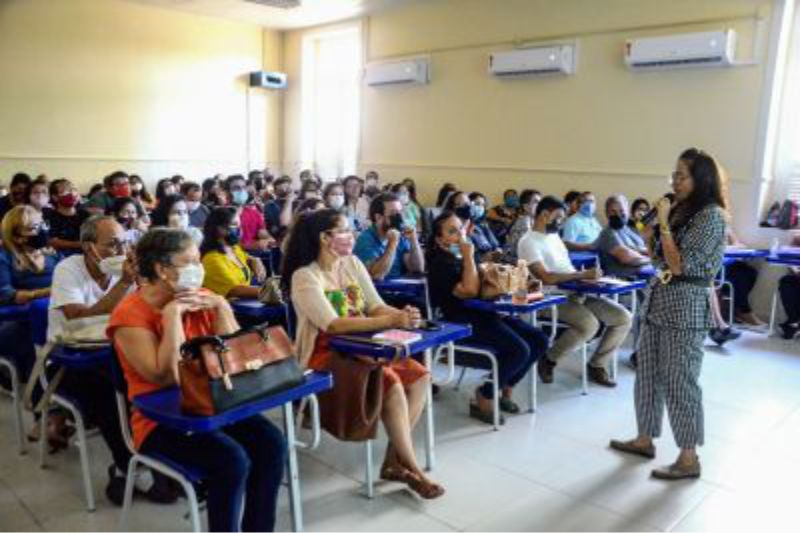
(404, 198)
(112, 266)
(40, 201)
(192, 206)
(190, 277)
(179, 221)
(336, 201)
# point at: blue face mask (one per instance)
(587, 209)
(239, 197)
(455, 249)
(477, 212)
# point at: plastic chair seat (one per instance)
(193, 475)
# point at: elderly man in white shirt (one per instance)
(549, 261)
(85, 289)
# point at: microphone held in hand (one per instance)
(651, 215)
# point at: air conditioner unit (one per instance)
(409, 71)
(532, 61)
(705, 49)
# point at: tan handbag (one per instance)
(270, 292)
(220, 372)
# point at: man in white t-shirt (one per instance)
(84, 291)
(549, 261)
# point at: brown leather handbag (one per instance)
(351, 410)
(220, 372)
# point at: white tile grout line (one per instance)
(22, 505)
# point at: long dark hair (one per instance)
(160, 215)
(303, 247)
(220, 217)
(708, 187)
(436, 231)
(444, 192)
(450, 204)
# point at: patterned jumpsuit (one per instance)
(677, 317)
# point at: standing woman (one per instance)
(687, 246)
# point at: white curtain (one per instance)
(331, 96)
(787, 155)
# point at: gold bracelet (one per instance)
(666, 232)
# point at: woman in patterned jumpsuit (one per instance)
(688, 244)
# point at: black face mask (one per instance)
(464, 212)
(396, 222)
(39, 240)
(234, 236)
(616, 222)
(553, 227)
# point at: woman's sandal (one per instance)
(507, 405)
(426, 488)
(478, 414)
(397, 473)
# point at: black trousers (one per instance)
(789, 289)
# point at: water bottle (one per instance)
(776, 244)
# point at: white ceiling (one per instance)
(310, 13)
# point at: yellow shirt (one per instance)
(222, 274)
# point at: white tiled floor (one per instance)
(549, 471)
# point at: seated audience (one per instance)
(198, 212)
(356, 203)
(412, 216)
(459, 204)
(487, 245)
(229, 271)
(214, 194)
(582, 228)
(115, 185)
(333, 196)
(389, 248)
(371, 188)
(254, 231)
(38, 195)
(622, 250)
(308, 189)
(742, 277)
(65, 220)
(3, 190)
(17, 193)
(172, 212)
(502, 216)
(177, 180)
(444, 193)
(452, 278)
(140, 193)
(528, 200)
(85, 290)
(573, 201)
(333, 294)
(549, 260)
(165, 187)
(789, 290)
(26, 272)
(243, 462)
(124, 210)
(278, 211)
(639, 208)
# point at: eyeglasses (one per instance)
(118, 245)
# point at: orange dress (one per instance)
(134, 312)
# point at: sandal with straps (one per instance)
(427, 489)
(397, 473)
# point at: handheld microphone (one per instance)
(651, 215)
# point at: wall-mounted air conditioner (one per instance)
(705, 49)
(558, 59)
(406, 71)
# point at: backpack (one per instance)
(788, 215)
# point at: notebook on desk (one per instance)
(397, 336)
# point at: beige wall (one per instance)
(90, 86)
(605, 128)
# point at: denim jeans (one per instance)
(242, 464)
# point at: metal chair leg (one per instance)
(83, 448)
(370, 476)
(461, 377)
(127, 499)
(773, 312)
(532, 400)
(16, 404)
(496, 394)
(584, 370)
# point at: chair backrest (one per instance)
(37, 316)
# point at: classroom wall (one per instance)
(605, 129)
(91, 86)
